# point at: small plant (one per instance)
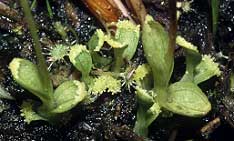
(57, 53)
(35, 78)
(124, 42)
(151, 81)
(65, 97)
(183, 97)
(84, 59)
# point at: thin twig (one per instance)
(209, 127)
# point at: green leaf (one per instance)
(185, 44)
(97, 41)
(81, 59)
(58, 52)
(49, 9)
(42, 67)
(68, 95)
(141, 72)
(27, 75)
(159, 55)
(147, 112)
(28, 113)
(192, 60)
(105, 83)
(144, 97)
(198, 68)
(145, 117)
(4, 94)
(186, 98)
(99, 61)
(95, 44)
(206, 69)
(128, 34)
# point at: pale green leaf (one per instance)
(58, 52)
(206, 69)
(192, 60)
(81, 59)
(185, 44)
(68, 95)
(144, 97)
(141, 72)
(147, 112)
(186, 98)
(159, 55)
(61, 29)
(145, 117)
(27, 75)
(95, 44)
(99, 38)
(28, 113)
(127, 34)
(105, 83)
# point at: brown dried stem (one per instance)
(104, 10)
(138, 8)
(123, 10)
(5, 10)
(72, 14)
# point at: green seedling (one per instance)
(124, 42)
(61, 30)
(183, 97)
(82, 60)
(106, 83)
(57, 53)
(35, 78)
(128, 34)
(64, 98)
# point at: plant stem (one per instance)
(45, 111)
(42, 67)
(87, 79)
(215, 14)
(118, 60)
(49, 9)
